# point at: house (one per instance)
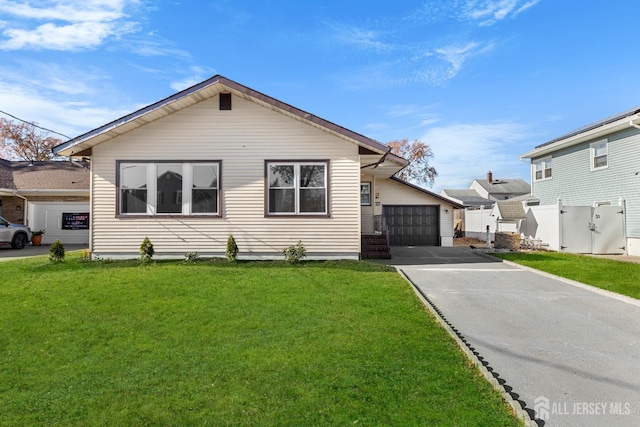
(479, 202)
(500, 189)
(220, 159)
(51, 195)
(587, 183)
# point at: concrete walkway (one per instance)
(571, 354)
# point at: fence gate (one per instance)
(575, 222)
(587, 230)
(607, 229)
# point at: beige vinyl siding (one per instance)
(241, 139)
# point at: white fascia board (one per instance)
(580, 138)
(53, 192)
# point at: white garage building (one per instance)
(52, 195)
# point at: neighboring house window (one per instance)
(168, 188)
(298, 188)
(365, 194)
(599, 151)
(542, 169)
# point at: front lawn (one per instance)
(335, 343)
(616, 276)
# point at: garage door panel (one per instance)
(413, 225)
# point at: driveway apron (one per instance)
(571, 354)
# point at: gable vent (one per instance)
(225, 101)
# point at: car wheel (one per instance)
(19, 241)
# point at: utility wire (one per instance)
(34, 125)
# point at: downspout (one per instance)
(635, 125)
(26, 207)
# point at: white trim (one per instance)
(592, 154)
(547, 163)
(598, 132)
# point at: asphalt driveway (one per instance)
(570, 353)
(8, 253)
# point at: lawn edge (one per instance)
(473, 356)
(592, 288)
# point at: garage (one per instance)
(64, 221)
(413, 225)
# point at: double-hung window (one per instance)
(296, 188)
(599, 152)
(542, 169)
(168, 188)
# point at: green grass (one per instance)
(616, 276)
(324, 343)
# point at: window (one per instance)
(542, 169)
(168, 188)
(296, 188)
(365, 194)
(599, 151)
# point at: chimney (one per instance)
(489, 177)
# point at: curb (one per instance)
(518, 406)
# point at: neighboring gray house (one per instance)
(590, 174)
(500, 189)
(479, 200)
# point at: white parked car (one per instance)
(17, 235)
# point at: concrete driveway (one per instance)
(569, 353)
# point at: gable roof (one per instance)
(510, 210)
(49, 175)
(505, 186)
(199, 92)
(24, 177)
(453, 203)
(468, 198)
(593, 130)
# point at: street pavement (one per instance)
(568, 352)
(8, 253)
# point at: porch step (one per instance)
(374, 246)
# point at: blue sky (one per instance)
(481, 81)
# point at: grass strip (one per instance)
(615, 276)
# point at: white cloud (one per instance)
(69, 118)
(480, 147)
(491, 11)
(69, 25)
(359, 37)
(196, 75)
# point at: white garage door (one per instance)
(64, 221)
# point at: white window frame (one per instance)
(592, 154)
(152, 188)
(547, 165)
(367, 185)
(296, 179)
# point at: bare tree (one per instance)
(419, 154)
(25, 141)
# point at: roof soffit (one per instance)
(206, 90)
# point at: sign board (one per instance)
(75, 221)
